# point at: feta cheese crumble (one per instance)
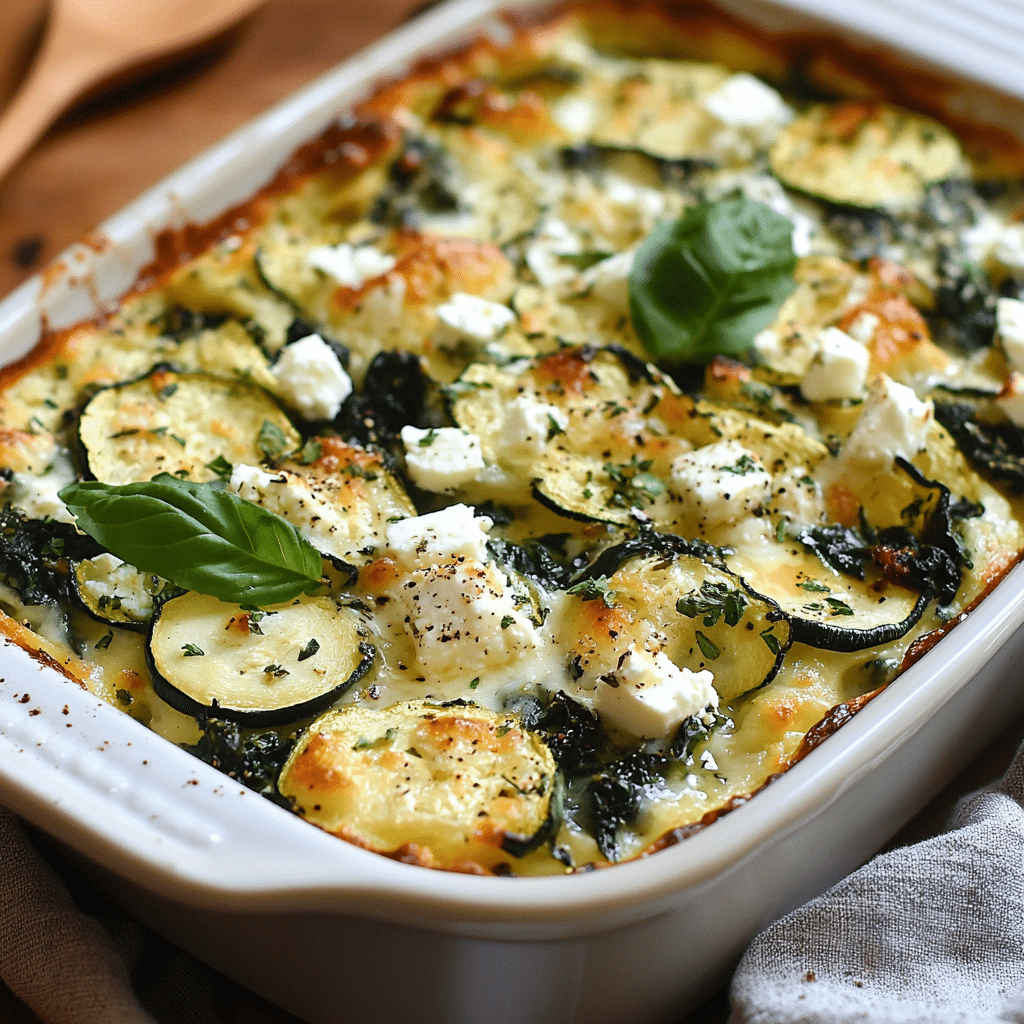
(350, 265)
(838, 370)
(1010, 330)
(462, 618)
(455, 532)
(751, 113)
(311, 379)
(893, 422)
(721, 482)
(527, 427)
(649, 696)
(119, 585)
(469, 318)
(442, 459)
(37, 496)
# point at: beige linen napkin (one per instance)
(930, 932)
(73, 968)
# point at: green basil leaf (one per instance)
(706, 284)
(199, 537)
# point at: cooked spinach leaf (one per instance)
(253, 758)
(34, 556)
(706, 284)
(995, 448)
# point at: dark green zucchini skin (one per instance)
(222, 677)
(848, 641)
(266, 718)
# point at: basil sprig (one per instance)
(199, 537)
(704, 285)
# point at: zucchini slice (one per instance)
(341, 502)
(114, 592)
(261, 668)
(708, 616)
(830, 610)
(865, 154)
(457, 779)
(578, 424)
(179, 423)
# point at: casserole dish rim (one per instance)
(799, 792)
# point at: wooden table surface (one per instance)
(109, 150)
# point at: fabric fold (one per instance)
(930, 932)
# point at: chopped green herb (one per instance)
(553, 427)
(221, 467)
(713, 600)
(271, 441)
(309, 650)
(275, 670)
(180, 440)
(838, 607)
(191, 651)
(744, 465)
(507, 620)
(708, 648)
(474, 683)
(815, 586)
(311, 452)
(104, 641)
(771, 640)
(124, 698)
(428, 438)
(592, 590)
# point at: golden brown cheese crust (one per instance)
(461, 783)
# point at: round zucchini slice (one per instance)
(114, 592)
(708, 617)
(830, 610)
(180, 423)
(581, 426)
(455, 780)
(341, 501)
(263, 668)
(865, 154)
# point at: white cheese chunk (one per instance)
(648, 696)
(311, 379)
(119, 584)
(838, 370)
(351, 265)
(555, 237)
(462, 619)
(1010, 330)
(469, 318)
(721, 482)
(527, 426)
(37, 496)
(1009, 247)
(442, 459)
(751, 114)
(863, 327)
(1011, 398)
(893, 422)
(455, 532)
(608, 280)
(575, 115)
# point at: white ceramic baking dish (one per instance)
(334, 933)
